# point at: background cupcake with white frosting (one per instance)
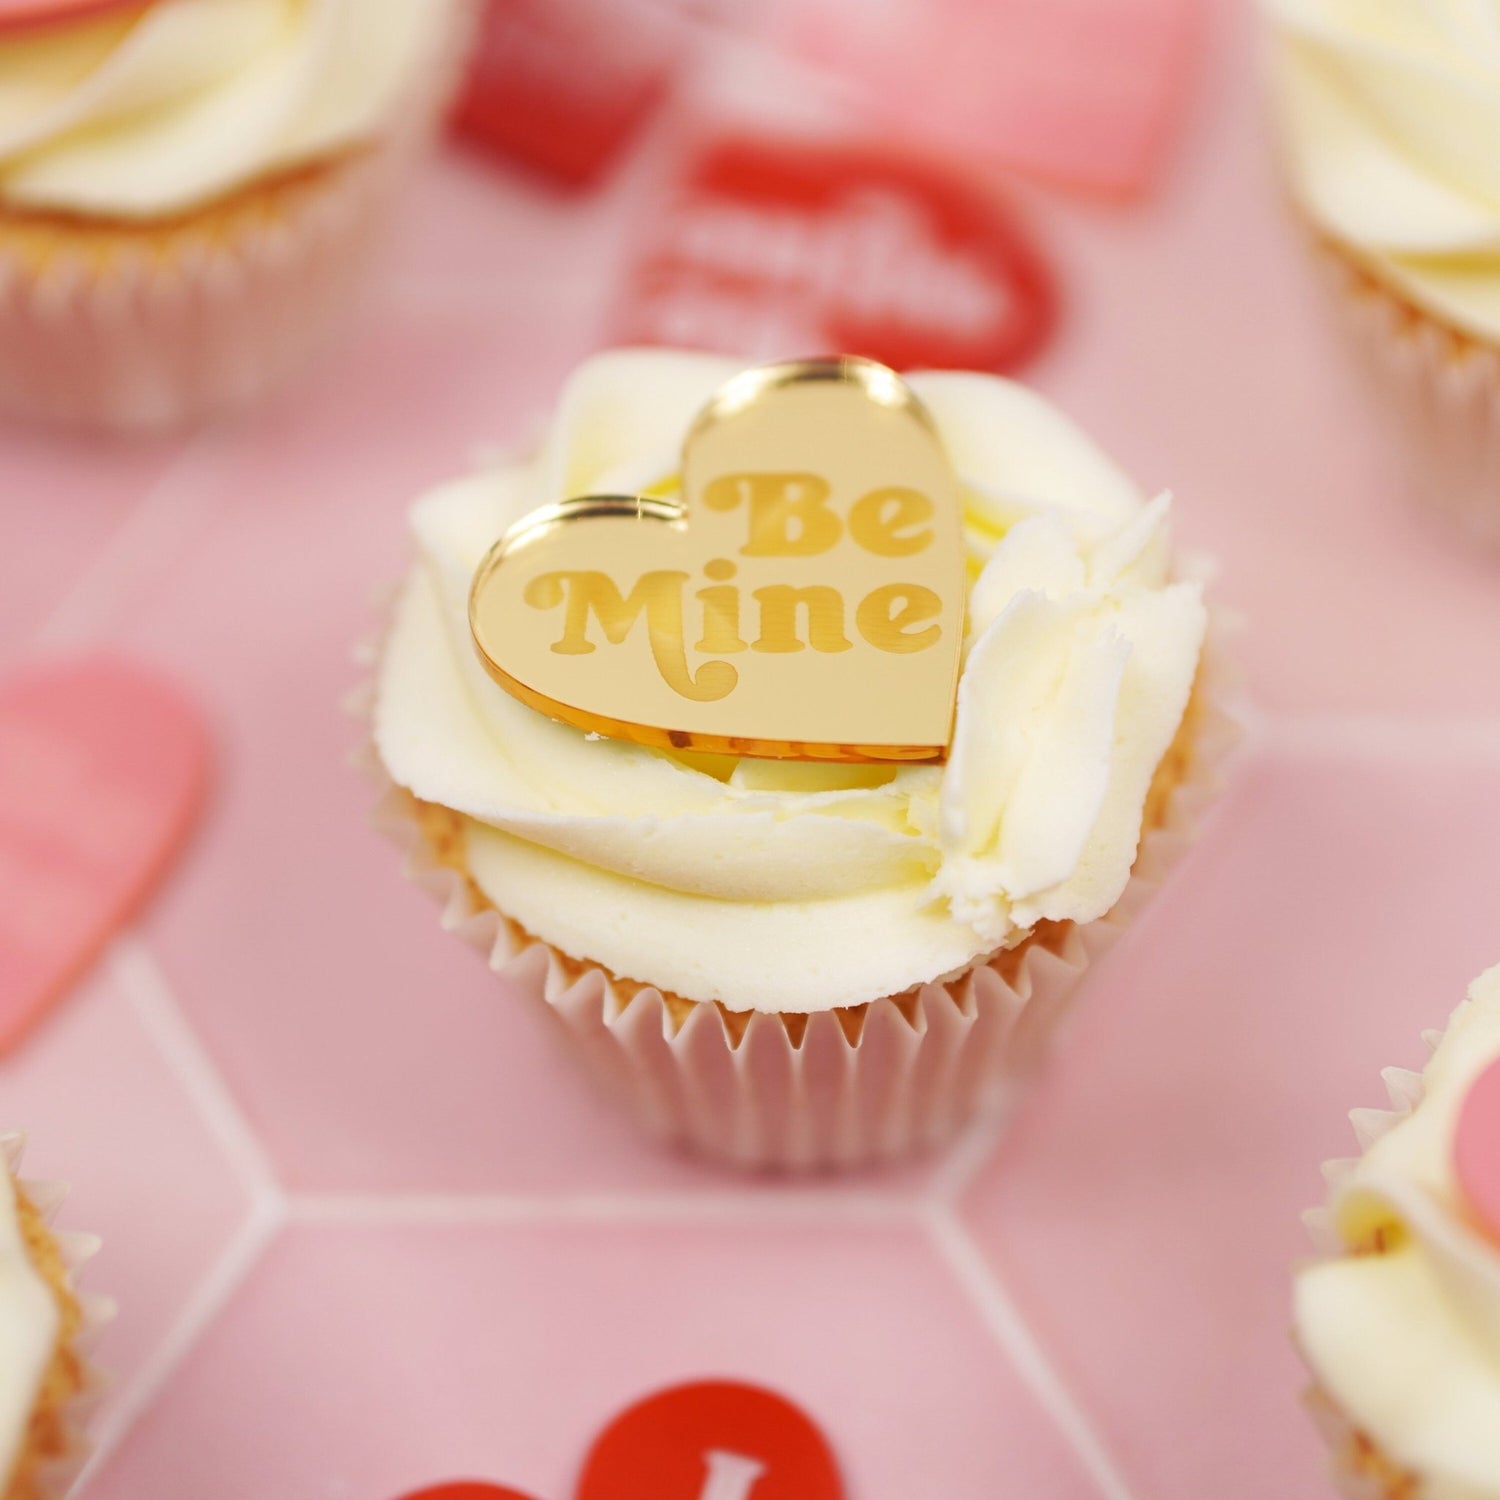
(43, 1323)
(797, 964)
(186, 187)
(1389, 122)
(1399, 1322)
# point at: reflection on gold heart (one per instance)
(803, 598)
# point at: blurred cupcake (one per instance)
(1389, 117)
(187, 188)
(790, 963)
(43, 1377)
(1400, 1322)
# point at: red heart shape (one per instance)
(771, 247)
(712, 1440)
(102, 767)
(467, 1489)
(565, 85)
(1476, 1148)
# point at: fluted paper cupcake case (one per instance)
(141, 331)
(58, 1449)
(1358, 1464)
(1360, 1470)
(836, 1088)
(1444, 386)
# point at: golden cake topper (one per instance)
(803, 598)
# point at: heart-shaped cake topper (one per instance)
(1476, 1149)
(797, 591)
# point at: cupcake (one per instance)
(1399, 1322)
(188, 186)
(1389, 118)
(43, 1377)
(796, 962)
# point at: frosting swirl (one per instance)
(168, 106)
(788, 886)
(1390, 114)
(28, 1331)
(1404, 1332)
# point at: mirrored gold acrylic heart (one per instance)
(803, 598)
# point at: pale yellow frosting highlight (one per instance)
(161, 110)
(786, 887)
(1407, 1341)
(1390, 117)
(29, 1322)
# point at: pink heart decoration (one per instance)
(1476, 1149)
(102, 768)
(1088, 92)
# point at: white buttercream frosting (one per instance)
(1390, 113)
(29, 1322)
(155, 111)
(1404, 1333)
(788, 886)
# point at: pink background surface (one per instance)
(368, 1231)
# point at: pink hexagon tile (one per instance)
(477, 230)
(480, 1263)
(1146, 1211)
(62, 504)
(368, 1361)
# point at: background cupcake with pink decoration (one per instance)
(1399, 1322)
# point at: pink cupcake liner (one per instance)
(834, 1089)
(76, 1249)
(1445, 388)
(160, 339)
